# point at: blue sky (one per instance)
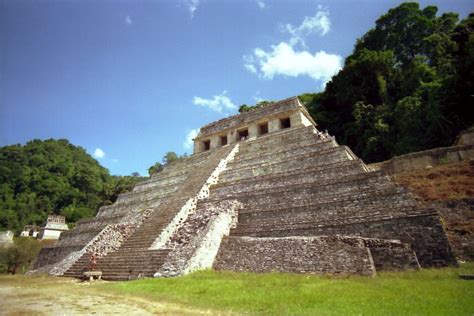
(130, 80)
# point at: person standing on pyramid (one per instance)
(93, 261)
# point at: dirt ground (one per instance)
(23, 295)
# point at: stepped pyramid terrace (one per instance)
(263, 191)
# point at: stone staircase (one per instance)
(163, 195)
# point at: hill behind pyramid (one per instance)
(263, 191)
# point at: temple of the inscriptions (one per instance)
(264, 191)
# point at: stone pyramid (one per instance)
(263, 191)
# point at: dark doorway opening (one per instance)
(263, 128)
(243, 134)
(285, 123)
(207, 144)
(223, 140)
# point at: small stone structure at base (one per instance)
(263, 191)
(55, 225)
(91, 274)
(30, 231)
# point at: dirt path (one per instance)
(54, 296)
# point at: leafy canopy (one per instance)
(406, 87)
(53, 177)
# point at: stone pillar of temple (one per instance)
(253, 130)
(231, 137)
(198, 146)
(273, 125)
(215, 141)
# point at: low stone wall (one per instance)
(423, 159)
(293, 254)
(423, 233)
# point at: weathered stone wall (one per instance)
(423, 159)
(386, 258)
(293, 254)
(424, 233)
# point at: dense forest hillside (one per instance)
(408, 85)
(53, 177)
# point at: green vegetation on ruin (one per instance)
(425, 292)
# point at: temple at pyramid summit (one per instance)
(264, 191)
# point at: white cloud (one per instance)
(99, 153)
(216, 103)
(188, 143)
(128, 20)
(192, 6)
(319, 23)
(261, 4)
(287, 60)
(115, 160)
(284, 60)
(251, 68)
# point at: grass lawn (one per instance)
(425, 292)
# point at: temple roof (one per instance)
(253, 115)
